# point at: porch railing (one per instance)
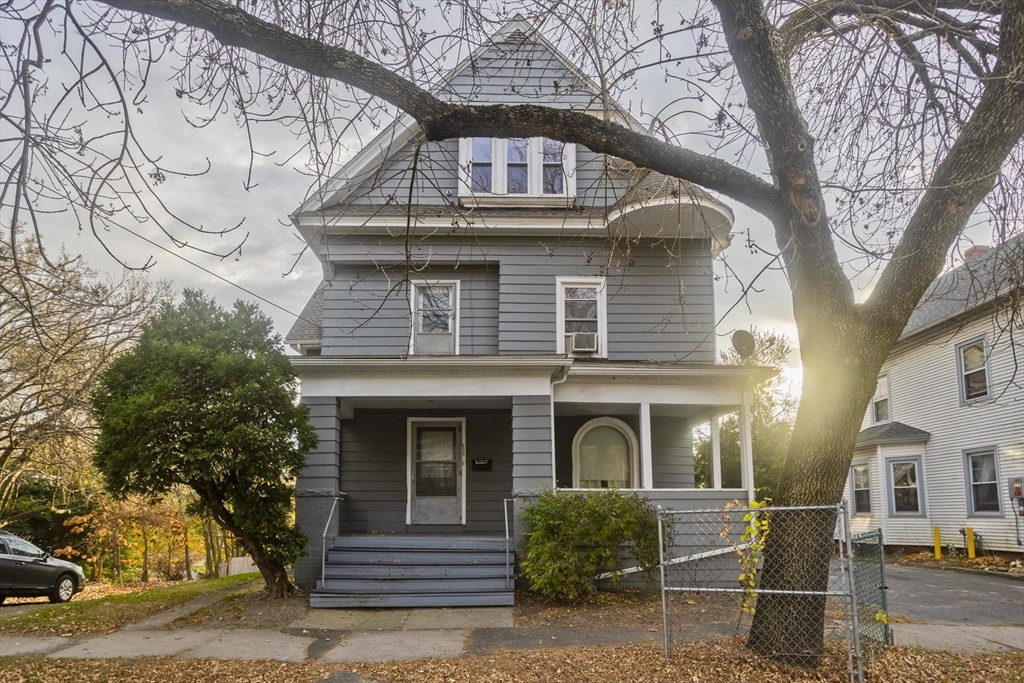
(508, 544)
(323, 539)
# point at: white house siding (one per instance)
(924, 393)
(859, 523)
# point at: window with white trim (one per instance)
(605, 455)
(516, 171)
(905, 487)
(435, 318)
(972, 360)
(880, 401)
(982, 482)
(861, 479)
(582, 316)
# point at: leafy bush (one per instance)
(574, 536)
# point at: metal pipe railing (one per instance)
(508, 543)
(323, 539)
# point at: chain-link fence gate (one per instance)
(869, 582)
(713, 571)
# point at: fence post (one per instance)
(661, 567)
(855, 624)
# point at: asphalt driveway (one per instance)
(934, 596)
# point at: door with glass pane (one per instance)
(435, 472)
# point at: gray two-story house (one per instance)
(499, 317)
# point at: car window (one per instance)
(22, 548)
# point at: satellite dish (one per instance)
(743, 342)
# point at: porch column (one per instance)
(746, 445)
(317, 485)
(532, 456)
(716, 452)
(646, 456)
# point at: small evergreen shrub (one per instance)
(574, 536)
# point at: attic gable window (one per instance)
(516, 172)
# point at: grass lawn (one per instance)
(702, 663)
(102, 615)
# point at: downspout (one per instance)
(554, 383)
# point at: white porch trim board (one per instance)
(646, 453)
(746, 443)
(716, 453)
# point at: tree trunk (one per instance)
(117, 553)
(208, 547)
(188, 556)
(274, 573)
(800, 544)
(145, 554)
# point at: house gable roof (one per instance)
(307, 327)
(891, 432)
(974, 284)
(405, 130)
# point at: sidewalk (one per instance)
(425, 638)
(391, 635)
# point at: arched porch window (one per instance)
(604, 455)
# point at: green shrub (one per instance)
(574, 536)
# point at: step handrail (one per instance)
(508, 572)
(323, 539)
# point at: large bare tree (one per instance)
(870, 134)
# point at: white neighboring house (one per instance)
(944, 433)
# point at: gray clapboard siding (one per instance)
(660, 300)
(672, 452)
(317, 485)
(506, 73)
(373, 469)
(366, 309)
(531, 443)
(512, 71)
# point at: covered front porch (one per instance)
(450, 446)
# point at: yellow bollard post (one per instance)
(970, 543)
(938, 543)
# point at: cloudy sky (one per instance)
(218, 200)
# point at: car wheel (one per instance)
(63, 589)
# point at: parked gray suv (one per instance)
(27, 571)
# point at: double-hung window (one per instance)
(435, 318)
(972, 362)
(582, 316)
(905, 490)
(516, 172)
(861, 489)
(982, 482)
(880, 401)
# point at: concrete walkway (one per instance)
(406, 634)
(963, 639)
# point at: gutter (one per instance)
(551, 399)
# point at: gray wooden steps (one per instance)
(407, 571)
(414, 557)
(352, 601)
(415, 570)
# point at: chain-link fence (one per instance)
(790, 565)
(869, 583)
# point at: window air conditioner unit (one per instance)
(584, 342)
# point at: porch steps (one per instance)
(414, 571)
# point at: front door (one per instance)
(436, 464)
